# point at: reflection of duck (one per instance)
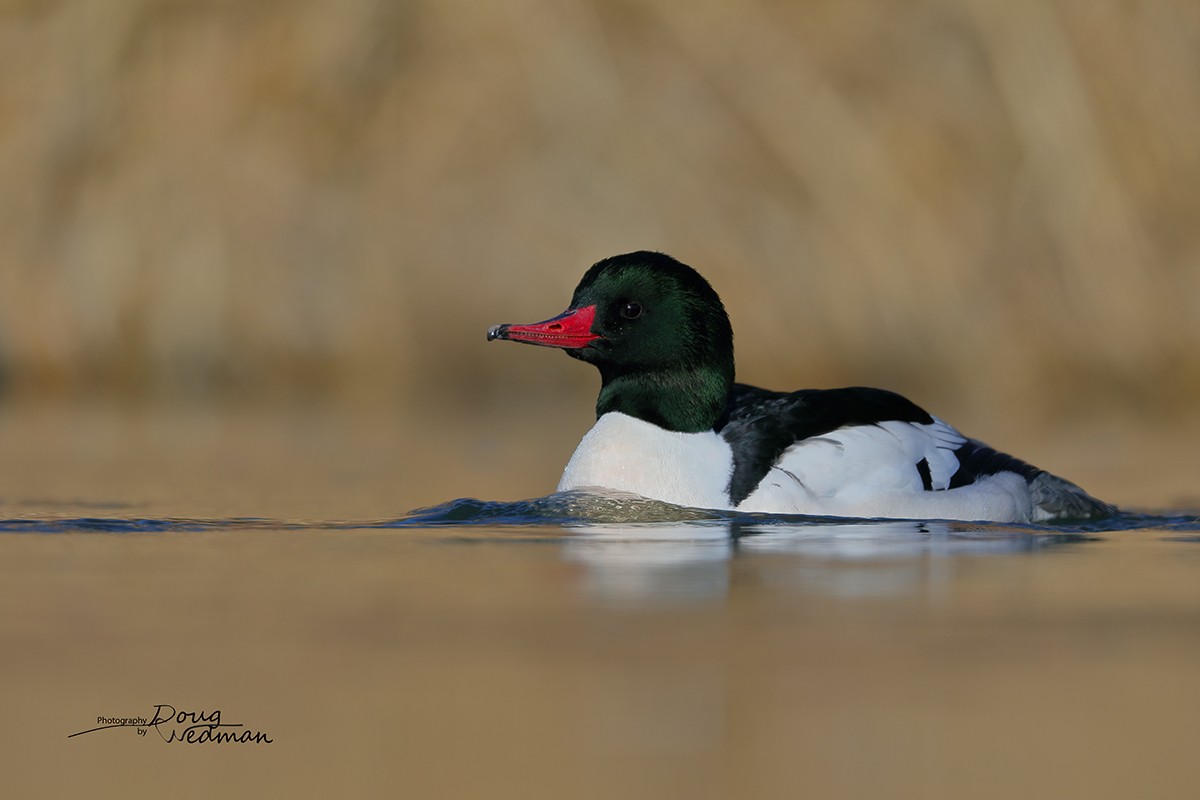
(672, 425)
(686, 563)
(658, 565)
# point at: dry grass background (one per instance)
(972, 201)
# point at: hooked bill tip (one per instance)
(496, 332)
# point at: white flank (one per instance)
(870, 471)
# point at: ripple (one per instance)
(633, 517)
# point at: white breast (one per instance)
(627, 454)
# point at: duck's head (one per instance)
(657, 332)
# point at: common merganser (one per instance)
(672, 425)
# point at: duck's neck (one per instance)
(682, 400)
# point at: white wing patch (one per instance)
(872, 458)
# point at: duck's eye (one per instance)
(631, 310)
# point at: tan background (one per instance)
(979, 203)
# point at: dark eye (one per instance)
(631, 310)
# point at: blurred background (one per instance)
(993, 207)
(249, 251)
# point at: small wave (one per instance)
(583, 508)
(562, 508)
(131, 525)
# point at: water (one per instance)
(643, 553)
(565, 646)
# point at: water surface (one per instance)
(569, 646)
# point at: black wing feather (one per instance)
(976, 460)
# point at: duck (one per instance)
(672, 424)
